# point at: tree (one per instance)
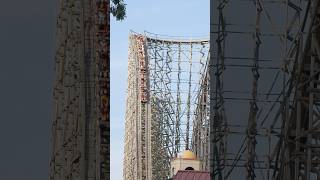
(118, 9)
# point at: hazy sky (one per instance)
(26, 73)
(188, 18)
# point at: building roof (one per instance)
(188, 155)
(192, 175)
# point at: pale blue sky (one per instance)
(188, 18)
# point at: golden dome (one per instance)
(188, 155)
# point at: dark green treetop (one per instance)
(118, 9)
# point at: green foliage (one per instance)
(118, 9)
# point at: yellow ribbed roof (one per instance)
(188, 155)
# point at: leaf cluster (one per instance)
(118, 9)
